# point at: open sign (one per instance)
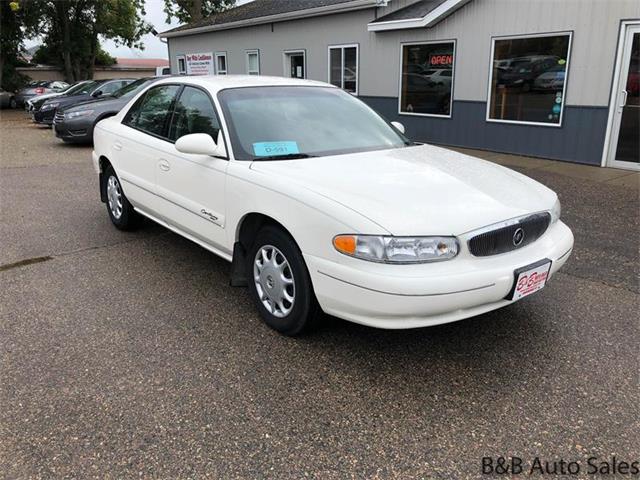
(441, 60)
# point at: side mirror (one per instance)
(399, 126)
(97, 93)
(202, 144)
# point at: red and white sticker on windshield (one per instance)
(531, 279)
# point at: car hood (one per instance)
(102, 104)
(421, 190)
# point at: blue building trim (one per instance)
(580, 139)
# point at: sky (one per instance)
(154, 48)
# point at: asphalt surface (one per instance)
(128, 355)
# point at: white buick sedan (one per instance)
(321, 204)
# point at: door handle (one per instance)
(164, 165)
(624, 102)
(117, 146)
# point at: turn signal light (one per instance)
(345, 244)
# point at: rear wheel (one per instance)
(13, 103)
(121, 213)
(279, 282)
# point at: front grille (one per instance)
(504, 239)
(59, 117)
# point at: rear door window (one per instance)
(152, 112)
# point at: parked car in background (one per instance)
(522, 71)
(34, 103)
(552, 79)
(95, 89)
(76, 123)
(38, 88)
(7, 99)
(321, 204)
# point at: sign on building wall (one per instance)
(200, 63)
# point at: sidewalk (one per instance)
(611, 176)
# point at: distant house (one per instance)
(124, 67)
(546, 78)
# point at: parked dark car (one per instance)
(95, 89)
(523, 71)
(34, 103)
(7, 99)
(75, 124)
(38, 88)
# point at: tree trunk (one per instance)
(196, 10)
(62, 9)
(92, 57)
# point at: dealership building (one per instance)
(555, 79)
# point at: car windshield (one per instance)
(131, 89)
(75, 87)
(271, 123)
(86, 88)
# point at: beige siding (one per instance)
(594, 23)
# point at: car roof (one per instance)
(216, 83)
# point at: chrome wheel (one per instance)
(274, 281)
(114, 197)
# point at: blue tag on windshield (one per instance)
(269, 149)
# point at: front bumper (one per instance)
(45, 117)
(79, 131)
(410, 296)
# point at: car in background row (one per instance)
(38, 88)
(94, 89)
(36, 102)
(75, 124)
(7, 99)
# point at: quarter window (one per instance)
(343, 67)
(151, 113)
(427, 78)
(528, 79)
(253, 62)
(193, 113)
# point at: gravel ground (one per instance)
(128, 355)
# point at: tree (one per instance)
(17, 19)
(190, 11)
(73, 29)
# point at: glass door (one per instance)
(624, 149)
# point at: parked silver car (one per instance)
(7, 99)
(38, 88)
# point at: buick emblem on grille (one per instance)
(518, 237)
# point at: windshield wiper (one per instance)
(286, 156)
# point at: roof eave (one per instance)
(429, 20)
(281, 17)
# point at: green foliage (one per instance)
(103, 58)
(71, 30)
(189, 11)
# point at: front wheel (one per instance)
(121, 212)
(279, 282)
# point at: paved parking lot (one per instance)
(127, 354)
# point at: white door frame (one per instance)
(613, 122)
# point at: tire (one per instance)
(265, 283)
(12, 103)
(121, 213)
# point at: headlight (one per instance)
(81, 113)
(397, 249)
(49, 106)
(556, 211)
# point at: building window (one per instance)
(426, 86)
(182, 66)
(528, 79)
(295, 64)
(253, 62)
(343, 67)
(221, 63)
